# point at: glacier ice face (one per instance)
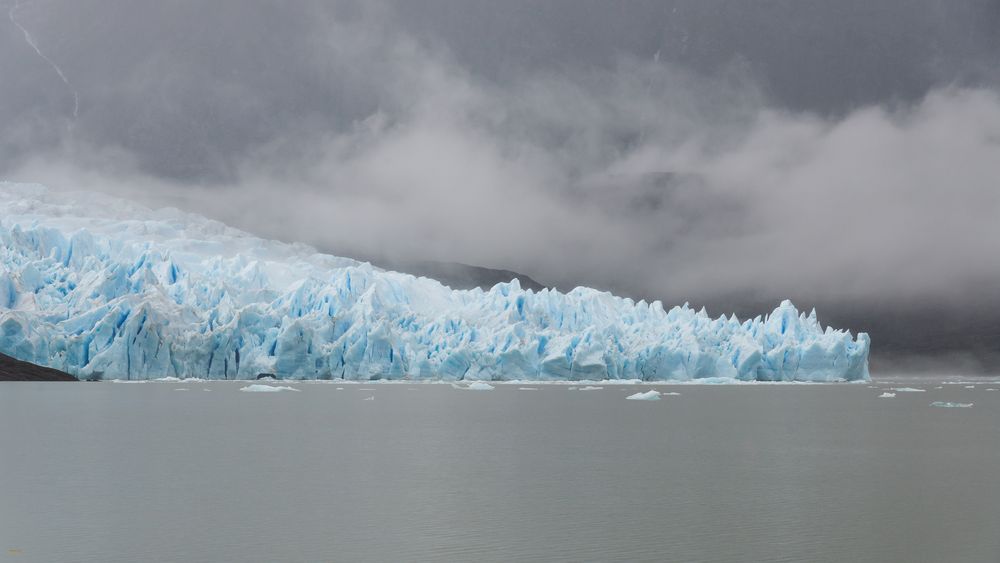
(103, 288)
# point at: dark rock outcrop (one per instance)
(16, 370)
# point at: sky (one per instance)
(728, 153)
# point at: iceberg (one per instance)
(256, 388)
(651, 395)
(945, 404)
(909, 390)
(103, 288)
(474, 386)
(886, 395)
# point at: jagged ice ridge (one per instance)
(104, 288)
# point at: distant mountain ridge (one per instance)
(463, 276)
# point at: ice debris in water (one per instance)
(474, 386)
(103, 288)
(651, 395)
(908, 390)
(527, 388)
(591, 388)
(951, 405)
(886, 395)
(256, 388)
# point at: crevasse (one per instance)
(103, 288)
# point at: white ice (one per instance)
(256, 388)
(475, 386)
(886, 395)
(951, 405)
(651, 395)
(102, 288)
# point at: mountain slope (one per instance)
(15, 370)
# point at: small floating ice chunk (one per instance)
(474, 386)
(990, 389)
(340, 388)
(257, 388)
(651, 395)
(886, 395)
(571, 388)
(908, 390)
(182, 389)
(670, 394)
(527, 388)
(205, 389)
(946, 404)
(591, 388)
(970, 386)
(371, 398)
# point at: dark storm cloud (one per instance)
(685, 150)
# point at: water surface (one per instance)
(104, 472)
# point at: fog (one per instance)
(727, 153)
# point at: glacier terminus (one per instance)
(104, 288)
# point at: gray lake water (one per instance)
(104, 472)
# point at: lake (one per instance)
(103, 472)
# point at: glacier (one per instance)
(104, 288)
